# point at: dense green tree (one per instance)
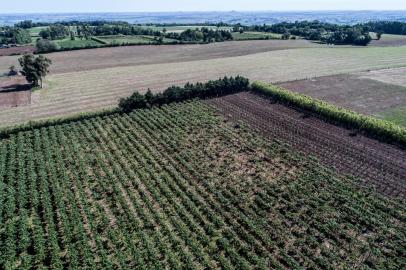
(24, 24)
(14, 35)
(34, 68)
(56, 31)
(45, 45)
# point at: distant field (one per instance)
(92, 89)
(141, 55)
(131, 39)
(389, 40)
(182, 28)
(77, 43)
(35, 30)
(255, 35)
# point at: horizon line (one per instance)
(196, 11)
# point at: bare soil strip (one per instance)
(380, 166)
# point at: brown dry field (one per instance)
(396, 76)
(91, 87)
(90, 59)
(14, 92)
(17, 50)
(388, 40)
(360, 92)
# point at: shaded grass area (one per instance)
(140, 39)
(77, 43)
(396, 115)
(255, 35)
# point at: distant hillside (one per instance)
(268, 17)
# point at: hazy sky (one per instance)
(194, 5)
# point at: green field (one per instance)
(35, 31)
(77, 43)
(255, 35)
(185, 27)
(178, 187)
(396, 115)
(131, 39)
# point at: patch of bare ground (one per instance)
(379, 166)
(367, 92)
(14, 91)
(90, 59)
(17, 50)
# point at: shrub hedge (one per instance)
(220, 87)
(377, 128)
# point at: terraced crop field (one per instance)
(181, 187)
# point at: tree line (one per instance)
(213, 88)
(316, 30)
(203, 34)
(387, 27)
(14, 35)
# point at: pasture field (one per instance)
(72, 92)
(181, 187)
(131, 39)
(181, 28)
(34, 31)
(388, 40)
(67, 43)
(255, 35)
(396, 115)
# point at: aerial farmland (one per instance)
(203, 145)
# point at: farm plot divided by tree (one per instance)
(180, 187)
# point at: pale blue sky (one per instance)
(194, 5)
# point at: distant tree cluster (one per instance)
(201, 35)
(315, 30)
(55, 31)
(24, 24)
(115, 29)
(387, 27)
(14, 35)
(220, 87)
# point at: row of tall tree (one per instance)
(316, 30)
(203, 34)
(220, 87)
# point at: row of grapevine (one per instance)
(160, 188)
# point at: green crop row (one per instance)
(377, 128)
